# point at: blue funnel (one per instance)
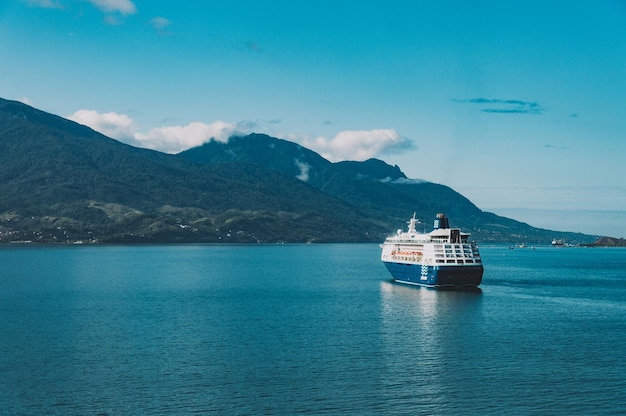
(441, 222)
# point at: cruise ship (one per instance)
(442, 258)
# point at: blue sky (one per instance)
(520, 106)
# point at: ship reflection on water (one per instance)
(428, 338)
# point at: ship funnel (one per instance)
(441, 222)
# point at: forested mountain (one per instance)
(64, 182)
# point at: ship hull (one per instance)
(436, 276)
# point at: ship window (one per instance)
(440, 261)
(469, 261)
(450, 261)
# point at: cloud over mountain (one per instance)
(169, 139)
(346, 145)
(174, 139)
(359, 144)
(118, 126)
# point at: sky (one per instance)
(518, 105)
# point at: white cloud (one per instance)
(346, 145)
(118, 126)
(174, 139)
(111, 6)
(358, 144)
(169, 139)
(25, 100)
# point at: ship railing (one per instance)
(413, 255)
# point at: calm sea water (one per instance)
(306, 329)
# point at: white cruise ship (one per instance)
(442, 258)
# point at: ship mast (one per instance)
(412, 223)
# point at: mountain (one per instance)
(64, 182)
(382, 191)
(607, 242)
(60, 181)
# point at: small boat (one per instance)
(442, 258)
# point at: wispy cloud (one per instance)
(161, 25)
(114, 10)
(46, 4)
(247, 46)
(495, 105)
(113, 20)
(554, 146)
(304, 170)
(123, 7)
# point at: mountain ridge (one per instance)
(64, 182)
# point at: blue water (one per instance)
(306, 329)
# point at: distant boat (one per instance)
(439, 259)
(557, 243)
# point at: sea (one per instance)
(307, 330)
